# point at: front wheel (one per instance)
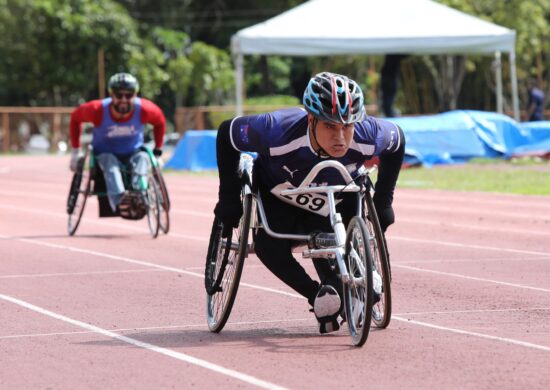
(78, 192)
(358, 291)
(153, 206)
(224, 265)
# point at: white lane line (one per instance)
(166, 327)
(102, 223)
(491, 229)
(151, 347)
(488, 199)
(78, 273)
(475, 334)
(460, 276)
(468, 246)
(420, 313)
(534, 215)
(293, 295)
(522, 259)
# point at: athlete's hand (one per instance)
(76, 154)
(384, 209)
(157, 152)
(229, 212)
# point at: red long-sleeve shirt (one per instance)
(92, 112)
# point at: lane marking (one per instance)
(472, 311)
(512, 341)
(538, 258)
(151, 347)
(475, 334)
(469, 246)
(471, 278)
(78, 273)
(530, 232)
(102, 223)
(166, 327)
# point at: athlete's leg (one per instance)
(276, 254)
(110, 165)
(140, 165)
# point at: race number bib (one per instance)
(316, 203)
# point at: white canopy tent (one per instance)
(328, 27)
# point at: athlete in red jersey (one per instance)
(118, 136)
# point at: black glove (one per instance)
(157, 152)
(229, 212)
(383, 205)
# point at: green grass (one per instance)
(524, 176)
(521, 176)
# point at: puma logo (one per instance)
(289, 171)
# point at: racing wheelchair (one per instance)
(358, 255)
(88, 180)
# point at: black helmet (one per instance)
(333, 97)
(123, 81)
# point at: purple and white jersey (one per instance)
(286, 156)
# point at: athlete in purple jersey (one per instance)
(289, 143)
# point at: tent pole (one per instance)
(239, 77)
(514, 79)
(498, 77)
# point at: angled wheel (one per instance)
(358, 292)
(154, 207)
(164, 201)
(381, 312)
(224, 265)
(78, 193)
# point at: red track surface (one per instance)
(113, 308)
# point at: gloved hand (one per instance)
(229, 212)
(157, 152)
(76, 154)
(383, 205)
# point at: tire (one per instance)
(78, 193)
(164, 201)
(153, 196)
(381, 263)
(224, 266)
(358, 292)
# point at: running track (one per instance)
(113, 308)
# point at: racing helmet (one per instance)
(334, 97)
(123, 81)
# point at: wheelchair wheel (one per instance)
(78, 193)
(164, 201)
(224, 265)
(153, 206)
(358, 292)
(381, 311)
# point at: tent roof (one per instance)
(326, 27)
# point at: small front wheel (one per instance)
(358, 291)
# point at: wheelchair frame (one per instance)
(356, 253)
(86, 175)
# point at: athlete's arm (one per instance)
(229, 208)
(391, 159)
(152, 114)
(90, 112)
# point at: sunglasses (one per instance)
(127, 95)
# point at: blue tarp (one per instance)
(196, 151)
(451, 137)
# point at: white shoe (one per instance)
(327, 307)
